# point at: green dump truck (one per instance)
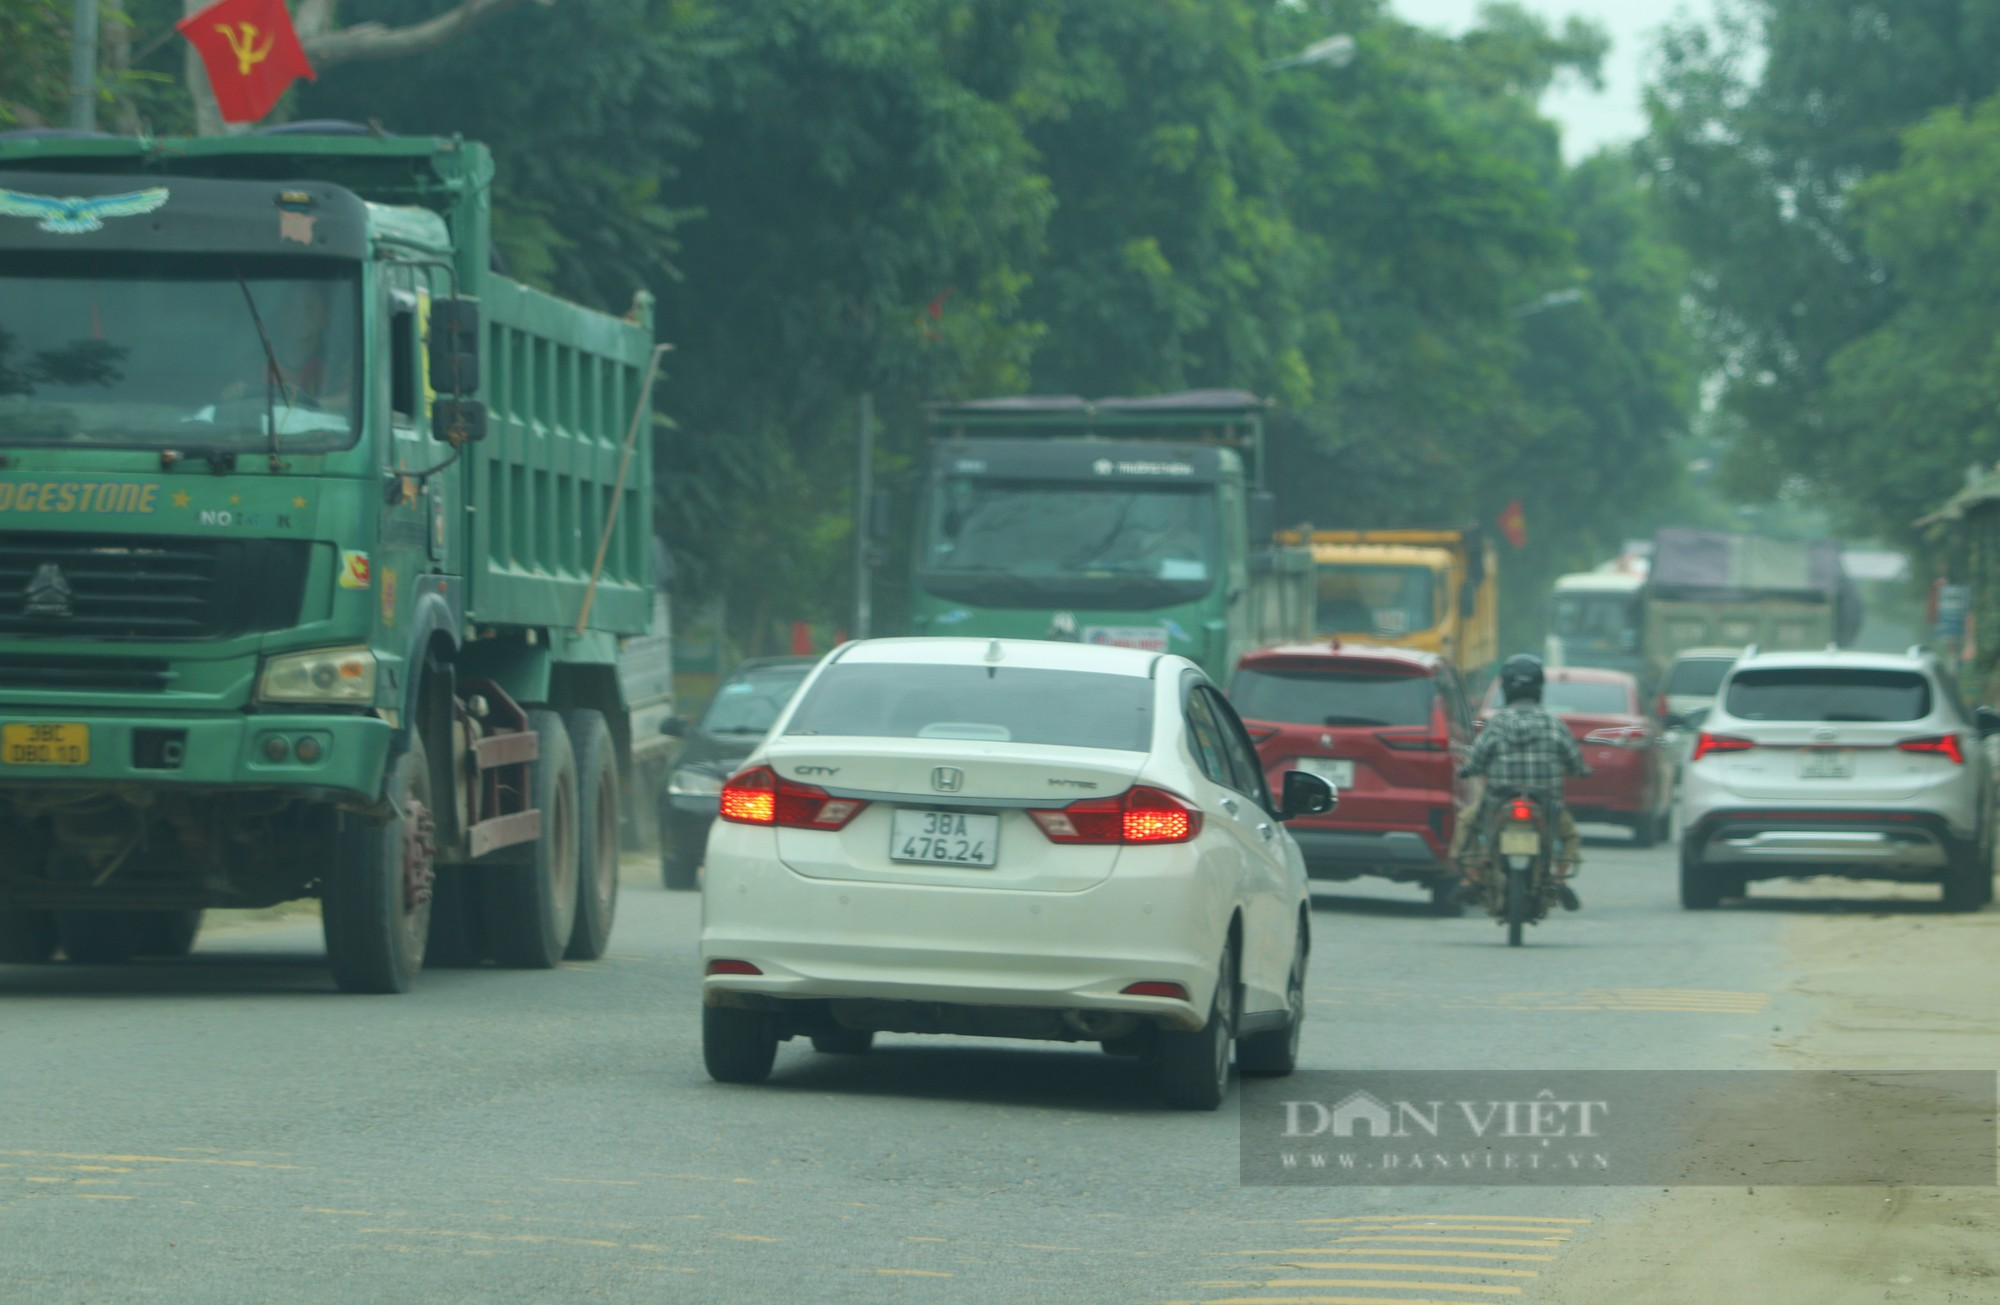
(1135, 522)
(325, 556)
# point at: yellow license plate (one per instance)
(25, 744)
(1520, 842)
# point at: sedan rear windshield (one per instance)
(1585, 697)
(750, 701)
(1810, 693)
(1333, 697)
(1699, 677)
(997, 704)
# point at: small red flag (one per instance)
(1514, 524)
(252, 54)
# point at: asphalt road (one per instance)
(228, 1128)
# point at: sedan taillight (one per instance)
(1945, 745)
(1138, 815)
(761, 796)
(1707, 743)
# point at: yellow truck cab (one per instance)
(1430, 590)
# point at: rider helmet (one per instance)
(1521, 678)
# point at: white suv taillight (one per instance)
(1706, 743)
(1945, 745)
(760, 796)
(1138, 815)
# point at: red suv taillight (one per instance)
(1943, 744)
(760, 796)
(1138, 815)
(1707, 743)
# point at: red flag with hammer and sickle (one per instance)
(251, 52)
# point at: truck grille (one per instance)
(83, 673)
(146, 587)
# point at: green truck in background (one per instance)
(326, 562)
(1135, 522)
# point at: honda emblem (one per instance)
(947, 779)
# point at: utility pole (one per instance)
(83, 67)
(864, 543)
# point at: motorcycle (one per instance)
(1521, 843)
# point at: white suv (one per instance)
(1846, 763)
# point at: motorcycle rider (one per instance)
(1523, 745)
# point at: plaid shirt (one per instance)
(1525, 746)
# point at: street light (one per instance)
(1553, 299)
(1334, 51)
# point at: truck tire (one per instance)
(598, 838)
(376, 894)
(531, 903)
(28, 937)
(1701, 888)
(115, 937)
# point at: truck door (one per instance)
(413, 539)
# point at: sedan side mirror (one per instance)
(674, 727)
(1306, 795)
(1987, 720)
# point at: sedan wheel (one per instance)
(1194, 1067)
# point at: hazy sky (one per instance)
(1589, 119)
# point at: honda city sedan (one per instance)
(1009, 839)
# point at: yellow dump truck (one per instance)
(1436, 590)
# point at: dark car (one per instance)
(1631, 780)
(745, 706)
(1388, 728)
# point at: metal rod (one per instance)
(639, 415)
(864, 520)
(83, 67)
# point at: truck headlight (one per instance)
(689, 782)
(324, 675)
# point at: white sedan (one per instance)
(1009, 838)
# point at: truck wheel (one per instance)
(28, 937)
(115, 937)
(1194, 1067)
(737, 1045)
(1701, 888)
(375, 897)
(531, 903)
(598, 840)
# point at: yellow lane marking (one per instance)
(923, 1239)
(1330, 1300)
(103, 1196)
(536, 1239)
(151, 1159)
(1427, 1218)
(749, 1237)
(1467, 1241)
(1397, 1250)
(1391, 1282)
(1345, 1265)
(1454, 1227)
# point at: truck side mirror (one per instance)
(674, 727)
(1263, 516)
(458, 421)
(454, 346)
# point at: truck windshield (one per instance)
(145, 351)
(1378, 600)
(1609, 619)
(1018, 542)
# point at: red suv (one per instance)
(1388, 728)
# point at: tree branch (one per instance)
(376, 41)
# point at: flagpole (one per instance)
(83, 67)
